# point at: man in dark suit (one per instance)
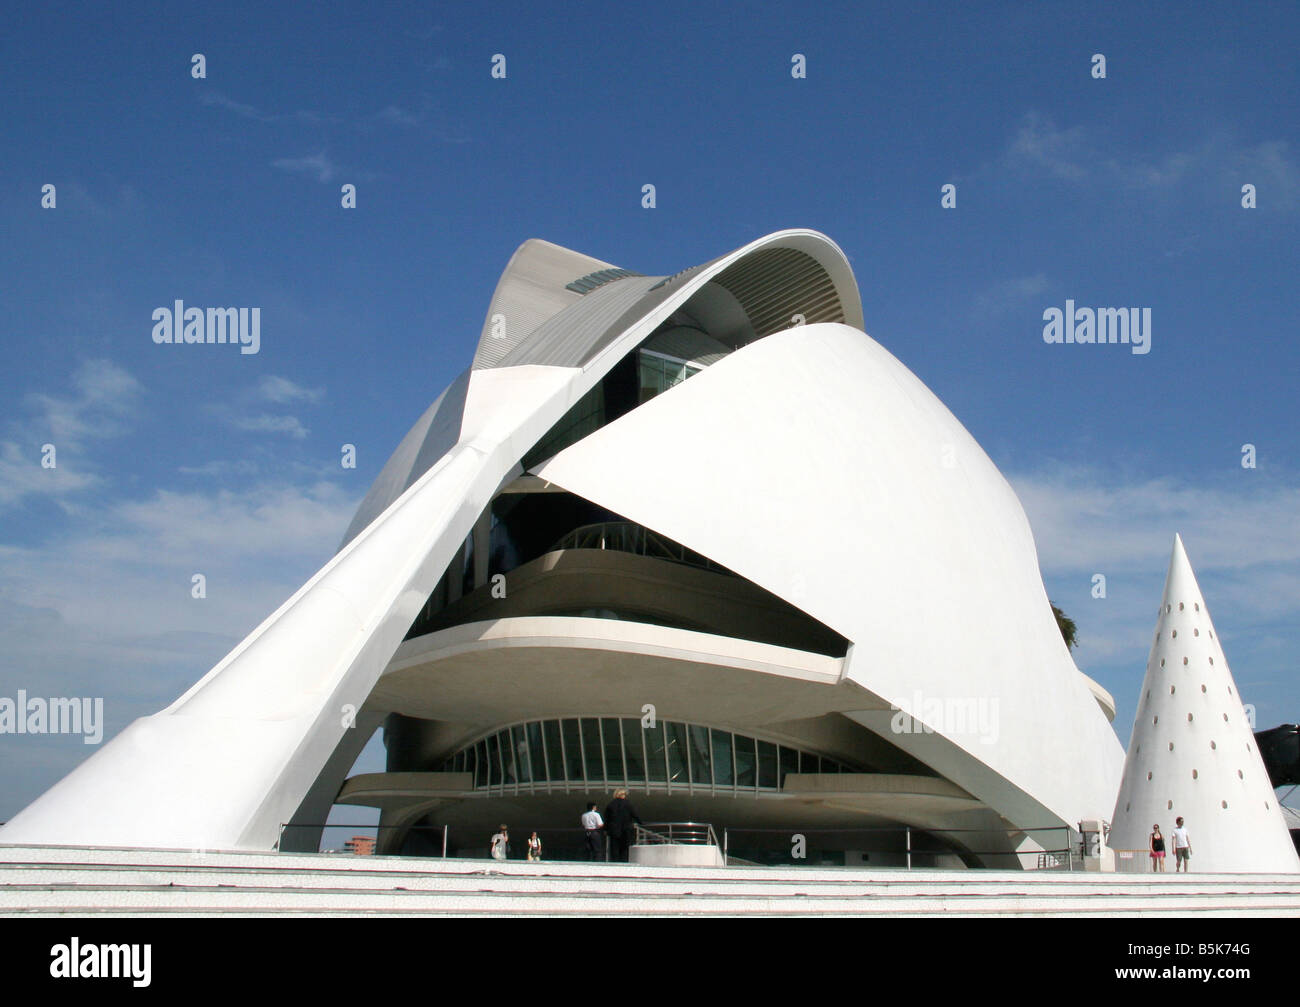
(619, 816)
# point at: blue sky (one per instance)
(226, 191)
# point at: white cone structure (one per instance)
(1193, 754)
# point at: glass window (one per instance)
(722, 774)
(701, 763)
(509, 768)
(494, 761)
(744, 761)
(656, 766)
(651, 376)
(632, 749)
(677, 767)
(610, 751)
(586, 416)
(789, 763)
(523, 769)
(592, 747)
(481, 767)
(467, 571)
(572, 751)
(536, 751)
(613, 751)
(766, 764)
(554, 752)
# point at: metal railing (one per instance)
(1059, 849)
(624, 536)
(1059, 846)
(676, 833)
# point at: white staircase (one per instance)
(98, 881)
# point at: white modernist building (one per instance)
(1193, 753)
(698, 535)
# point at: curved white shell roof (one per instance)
(815, 464)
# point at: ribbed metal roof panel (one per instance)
(573, 336)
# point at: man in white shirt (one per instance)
(1182, 846)
(501, 844)
(592, 824)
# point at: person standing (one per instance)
(619, 816)
(1182, 846)
(534, 847)
(1157, 844)
(500, 844)
(592, 825)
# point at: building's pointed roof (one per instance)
(1193, 752)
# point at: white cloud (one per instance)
(105, 399)
(267, 424)
(318, 164)
(1218, 162)
(124, 573)
(395, 115)
(1010, 295)
(281, 390)
(1241, 536)
(21, 474)
(1083, 520)
(104, 402)
(1039, 144)
(218, 100)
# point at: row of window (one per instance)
(607, 751)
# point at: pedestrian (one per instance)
(501, 844)
(592, 826)
(1182, 846)
(1157, 844)
(619, 816)
(534, 847)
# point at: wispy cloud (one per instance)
(318, 164)
(1218, 161)
(215, 99)
(281, 390)
(1009, 296)
(103, 402)
(22, 475)
(268, 424)
(1040, 145)
(395, 115)
(1241, 535)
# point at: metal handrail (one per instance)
(676, 834)
(626, 536)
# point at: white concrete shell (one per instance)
(809, 461)
(1192, 753)
(817, 466)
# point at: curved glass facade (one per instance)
(582, 753)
